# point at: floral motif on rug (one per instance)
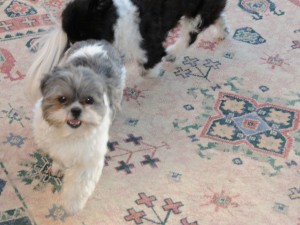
(17, 8)
(40, 172)
(258, 8)
(7, 64)
(125, 153)
(248, 35)
(262, 127)
(170, 208)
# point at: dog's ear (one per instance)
(48, 78)
(44, 83)
(99, 5)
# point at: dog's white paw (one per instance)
(73, 204)
(170, 58)
(155, 72)
(221, 30)
(221, 33)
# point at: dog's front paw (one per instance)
(154, 73)
(73, 205)
(170, 58)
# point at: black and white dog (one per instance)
(137, 28)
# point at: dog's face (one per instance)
(89, 19)
(73, 97)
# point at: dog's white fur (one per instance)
(79, 153)
(88, 50)
(221, 28)
(127, 34)
(187, 26)
(82, 166)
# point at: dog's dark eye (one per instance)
(62, 99)
(89, 100)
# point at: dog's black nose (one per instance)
(76, 112)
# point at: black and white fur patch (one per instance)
(138, 28)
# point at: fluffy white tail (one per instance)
(48, 56)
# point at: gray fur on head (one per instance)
(91, 68)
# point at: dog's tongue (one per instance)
(74, 123)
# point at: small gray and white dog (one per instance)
(73, 116)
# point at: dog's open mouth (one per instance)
(74, 123)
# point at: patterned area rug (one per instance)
(214, 141)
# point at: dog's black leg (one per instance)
(152, 67)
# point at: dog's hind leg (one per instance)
(154, 72)
(221, 29)
(155, 52)
(189, 32)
